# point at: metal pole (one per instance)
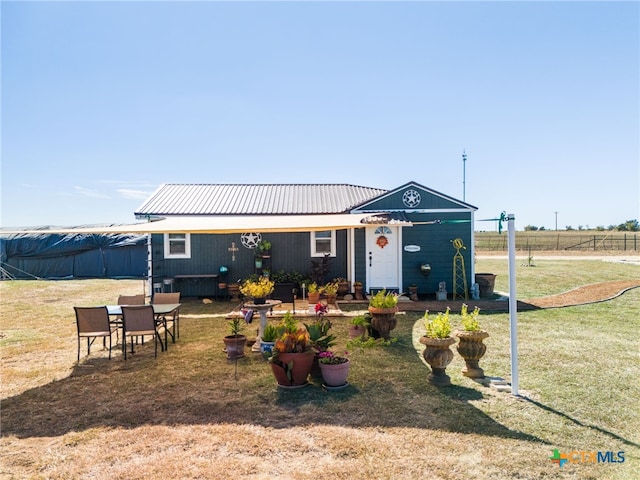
(464, 176)
(513, 305)
(556, 221)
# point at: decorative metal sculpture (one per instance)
(459, 272)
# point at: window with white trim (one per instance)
(177, 245)
(323, 242)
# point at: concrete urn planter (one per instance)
(471, 349)
(438, 355)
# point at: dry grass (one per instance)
(191, 413)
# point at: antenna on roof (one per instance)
(464, 175)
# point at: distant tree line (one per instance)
(628, 226)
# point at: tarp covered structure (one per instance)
(73, 255)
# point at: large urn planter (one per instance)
(234, 346)
(343, 289)
(383, 320)
(471, 348)
(438, 355)
(486, 284)
(335, 375)
(291, 370)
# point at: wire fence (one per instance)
(554, 241)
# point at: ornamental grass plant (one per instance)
(577, 394)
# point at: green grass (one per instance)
(191, 413)
(565, 240)
(558, 275)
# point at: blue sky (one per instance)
(102, 102)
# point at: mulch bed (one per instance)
(585, 294)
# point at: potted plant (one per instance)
(257, 289)
(234, 290)
(235, 342)
(471, 346)
(269, 335)
(264, 249)
(413, 292)
(343, 286)
(357, 290)
(320, 339)
(383, 307)
(335, 369)
(358, 325)
(331, 292)
(437, 341)
(292, 358)
(313, 292)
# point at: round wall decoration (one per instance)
(411, 198)
(250, 240)
(382, 241)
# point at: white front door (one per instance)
(383, 257)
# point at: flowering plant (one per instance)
(321, 309)
(470, 321)
(330, 288)
(330, 358)
(257, 288)
(438, 327)
(384, 299)
(293, 342)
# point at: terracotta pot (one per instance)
(234, 346)
(234, 291)
(331, 299)
(335, 375)
(356, 331)
(438, 355)
(383, 320)
(472, 350)
(313, 297)
(292, 369)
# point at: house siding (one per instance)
(436, 249)
(290, 252)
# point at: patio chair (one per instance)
(127, 300)
(172, 326)
(92, 323)
(138, 320)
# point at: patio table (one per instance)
(160, 310)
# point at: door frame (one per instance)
(369, 236)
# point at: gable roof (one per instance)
(424, 199)
(255, 199)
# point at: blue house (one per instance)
(202, 234)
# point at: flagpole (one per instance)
(513, 305)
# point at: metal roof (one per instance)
(255, 199)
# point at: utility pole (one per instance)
(556, 221)
(464, 175)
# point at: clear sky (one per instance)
(102, 102)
